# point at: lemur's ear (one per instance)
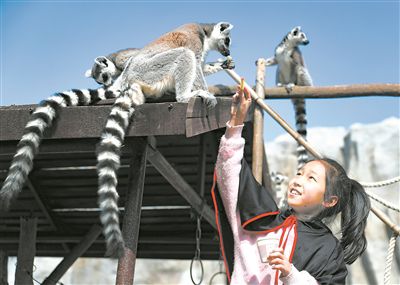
(101, 60)
(88, 73)
(225, 27)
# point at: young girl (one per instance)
(263, 245)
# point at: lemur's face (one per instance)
(298, 37)
(220, 36)
(103, 71)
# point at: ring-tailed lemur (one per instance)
(107, 68)
(172, 62)
(292, 71)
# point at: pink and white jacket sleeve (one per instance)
(228, 169)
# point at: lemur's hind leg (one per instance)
(200, 88)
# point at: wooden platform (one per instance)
(62, 188)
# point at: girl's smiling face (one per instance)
(307, 189)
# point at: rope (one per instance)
(380, 183)
(389, 259)
(382, 201)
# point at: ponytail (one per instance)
(354, 206)
(353, 222)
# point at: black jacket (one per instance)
(316, 250)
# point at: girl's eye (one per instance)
(313, 178)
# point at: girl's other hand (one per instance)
(279, 261)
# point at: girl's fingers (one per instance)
(276, 255)
(278, 266)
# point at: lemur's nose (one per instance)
(306, 42)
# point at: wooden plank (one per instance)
(200, 119)
(3, 267)
(88, 121)
(258, 125)
(176, 180)
(321, 92)
(133, 204)
(40, 200)
(26, 251)
(75, 253)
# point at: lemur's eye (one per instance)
(227, 41)
(295, 33)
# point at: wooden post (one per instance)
(133, 205)
(75, 253)
(258, 125)
(26, 251)
(3, 267)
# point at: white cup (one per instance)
(266, 245)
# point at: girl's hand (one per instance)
(279, 261)
(240, 106)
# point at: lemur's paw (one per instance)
(289, 87)
(268, 62)
(229, 63)
(208, 98)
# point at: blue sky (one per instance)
(46, 46)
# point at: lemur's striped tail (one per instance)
(108, 162)
(299, 105)
(41, 120)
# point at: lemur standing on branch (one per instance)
(173, 62)
(292, 71)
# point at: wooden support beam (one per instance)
(258, 125)
(44, 208)
(41, 204)
(320, 92)
(3, 267)
(133, 204)
(175, 179)
(75, 253)
(26, 251)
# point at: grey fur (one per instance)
(292, 71)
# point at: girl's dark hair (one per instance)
(354, 206)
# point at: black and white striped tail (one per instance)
(108, 162)
(41, 120)
(299, 105)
